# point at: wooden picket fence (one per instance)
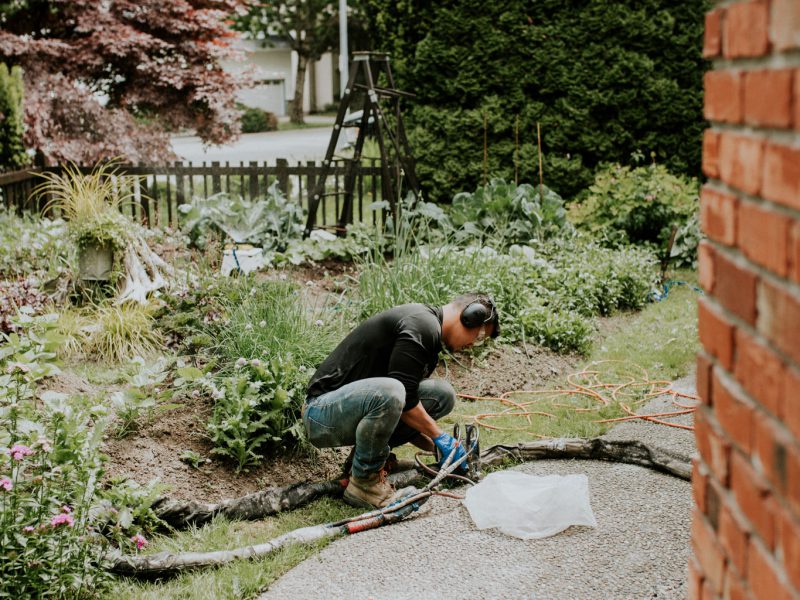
(160, 190)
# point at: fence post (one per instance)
(282, 172)
(252, 179)
(311, 183)
(179, 197)
(216, 184)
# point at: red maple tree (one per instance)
(111, 78)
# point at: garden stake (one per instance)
(541, 173)
(516, 150)
(485, 148)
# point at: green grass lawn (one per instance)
(242, 579)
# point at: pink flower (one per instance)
(28, 529)
(66, 509)
(6, 484)
(62, 519)
(139, 540)
(18, 451)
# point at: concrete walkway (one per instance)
(639, 549)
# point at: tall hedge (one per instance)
(605, 79)
(12, 150)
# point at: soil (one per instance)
(154, 450)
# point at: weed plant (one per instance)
(267, 346)
(268, 319)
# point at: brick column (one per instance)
(746, 482)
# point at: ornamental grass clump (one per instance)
(110, 333)
(92, 205)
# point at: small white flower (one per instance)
(255, 362)
(319, 323)
(249, 326)
(240, 362)
(282, 277)
(262, 323)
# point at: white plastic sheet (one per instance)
(529, 506)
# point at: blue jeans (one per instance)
(366, 414)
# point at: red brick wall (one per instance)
(746, 484)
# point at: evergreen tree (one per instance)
(12, 150)
(606, 79)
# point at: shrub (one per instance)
(552, 289)
(12, 125)
(638, 206)
(256, 120)
(603, 78)
(561, 331)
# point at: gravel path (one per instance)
(639, 549)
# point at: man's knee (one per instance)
(391, 395)
(440, 397)
(448, 400)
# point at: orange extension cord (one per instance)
(587, 384)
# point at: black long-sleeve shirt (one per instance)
(402, 342)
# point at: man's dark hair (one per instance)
(464, 300)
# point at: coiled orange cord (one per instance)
(586, 383)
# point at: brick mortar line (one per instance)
(779, 497)
(728, 498)
(717, 185)
(740, 323)
(738, 256)
(786, 137)
(787, 59)
(730, 378)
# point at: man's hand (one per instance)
(445, 443)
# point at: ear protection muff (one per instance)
(477, 313)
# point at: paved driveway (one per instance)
(639, 549)
(293, 145)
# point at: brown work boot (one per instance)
(395, 465)
(372, 491)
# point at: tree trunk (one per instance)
(296, 114)
(312, 86)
